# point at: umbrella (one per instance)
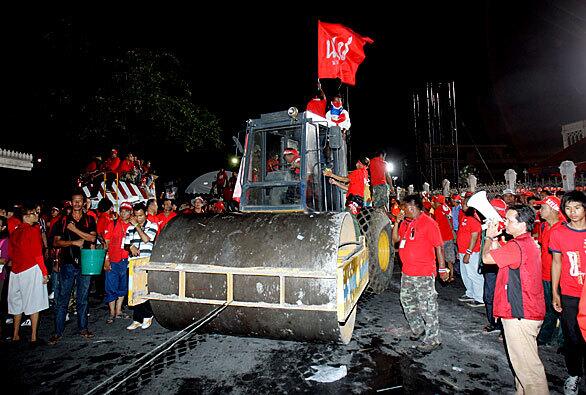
(203, 183)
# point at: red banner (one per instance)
(339, 52)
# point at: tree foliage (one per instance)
(145, 102)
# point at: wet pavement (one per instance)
(379, 359)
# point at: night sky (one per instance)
(519, 69)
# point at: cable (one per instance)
(183, 334)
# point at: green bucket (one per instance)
(92, 261)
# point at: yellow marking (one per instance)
(181, 284)
(384, 251)
(229, 287)
(282, 289)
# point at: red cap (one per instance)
(528, 193)
(500, 206)
(456, 196)
(114, 150)
(126, 206)
(291, 151)
(552, 201)
(439, 199)
(67, 203)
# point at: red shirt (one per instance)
(571, 244)
(12, 223)
(162, 219)
(378, 170)
(91, 167)
(221, 179)
(125, 166)
(112, 164)
(91, 213)
(546, 256)
(442, 217)
(518, 291)
(115, 235)
(417, 245)
(317, 106)
(26, 248)
(104, 220)
(468, 225)
(358, 179)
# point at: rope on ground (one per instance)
(165, 346)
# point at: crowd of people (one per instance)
(41, 254)
(526, 268)
(131, 169)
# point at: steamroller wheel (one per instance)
(376, 227)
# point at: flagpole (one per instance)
(348, 133)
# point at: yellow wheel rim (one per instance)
(384, 251)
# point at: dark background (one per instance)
(519, 70)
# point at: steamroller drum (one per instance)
(290, 242)
(376, 227)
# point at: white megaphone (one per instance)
(480, 202)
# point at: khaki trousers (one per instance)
(521, 343)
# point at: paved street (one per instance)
(378, 359)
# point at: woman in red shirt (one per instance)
(27, 289)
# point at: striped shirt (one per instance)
(132, 237)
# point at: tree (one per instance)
(145, 103)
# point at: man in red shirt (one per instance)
(104, 219)
(27, 289)
(126, 166)
(116, 263)
(568, 273)
(152, 208)
(164, 217)
(518, 297)
(468, 241)
(442, 214)
(293, 159)
(111, 164)
(550, 221)
(318, 104)
(420, 243)
(355, 185)
(380, 180)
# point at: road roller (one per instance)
(291, 263)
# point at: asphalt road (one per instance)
(379, 359)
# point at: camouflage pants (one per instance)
(380, 196)
(419, 300)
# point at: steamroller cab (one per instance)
(292, 264)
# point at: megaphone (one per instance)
(480, 202)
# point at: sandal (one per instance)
(123, 316)
(87, 334)
(110, 319)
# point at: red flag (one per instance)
(339, 52)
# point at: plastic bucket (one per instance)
(92, 261)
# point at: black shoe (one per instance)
(475, 303)
(490, 329)
(465, 298)
(415, 338)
